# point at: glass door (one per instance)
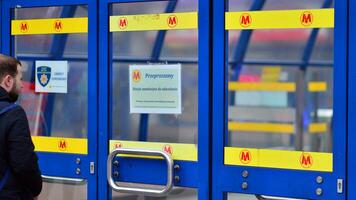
(51, 41)
(155, 99)
(279, 100)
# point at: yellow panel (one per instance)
(281, 19)
(49, 26)
(163, 21)
(178, 151)
(318, 128)
(60, 145)
(261, 127)
(317, 86)
(271, 74)
(267, 86)
(310, 161)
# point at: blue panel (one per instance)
(340, 93)
(277, 182)
(204, 99)
(103, 190)
(93, 96)
(153, 171)
(351, 182)
(219, 94)
(54, 164)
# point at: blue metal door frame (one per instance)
(276, 182)
(57, 164)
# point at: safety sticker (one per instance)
(60, 145)
(159, 21)
(49, 26)
(282, 159)
(280, 19)
(186, 152)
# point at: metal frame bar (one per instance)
(65, 164)
(301, 184)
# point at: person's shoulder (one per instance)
(16, 111)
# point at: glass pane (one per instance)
(54, 114)
(306, 106)
(60, 191)
(177, 193)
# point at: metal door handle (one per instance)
(263, 197)
(63, 180)
(142, 152)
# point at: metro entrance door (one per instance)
(154, 99)
(279, 99)
(51, 39)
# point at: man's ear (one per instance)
(7, 82)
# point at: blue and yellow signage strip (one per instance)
(179, 151)
(281, 159)
(275, 86)
(150, 22)
(49, 26)
(280, 19)
(60, 145)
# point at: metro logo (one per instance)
(117, 145)
(123, 23)
(23, 27)
(136, 76)
(62, 145)
(168, 148)
(306, 160)
(245, 156)
(172, 21)
(245, 20)
(306, 18)
(58, 25)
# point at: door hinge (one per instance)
(340, 186)
(92, 168)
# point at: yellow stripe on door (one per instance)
(297, 160)
(274, 128)
(275, 86)
(49, 26)
(60, 145)
(179, 151)
(280, 19)
(159, 21)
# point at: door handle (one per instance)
(63, 180)
(263, 197)
(144, 191)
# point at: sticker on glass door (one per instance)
(155, 89)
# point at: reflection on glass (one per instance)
(306, 107)
(177, 193)
(60, 191)
(61, 115)
(138, 46)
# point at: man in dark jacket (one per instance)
(18, 161)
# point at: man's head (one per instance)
(11, 76)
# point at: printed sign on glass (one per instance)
(155, 89)
(51, 76)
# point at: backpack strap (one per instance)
(6, 175)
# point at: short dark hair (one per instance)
(8, 66)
